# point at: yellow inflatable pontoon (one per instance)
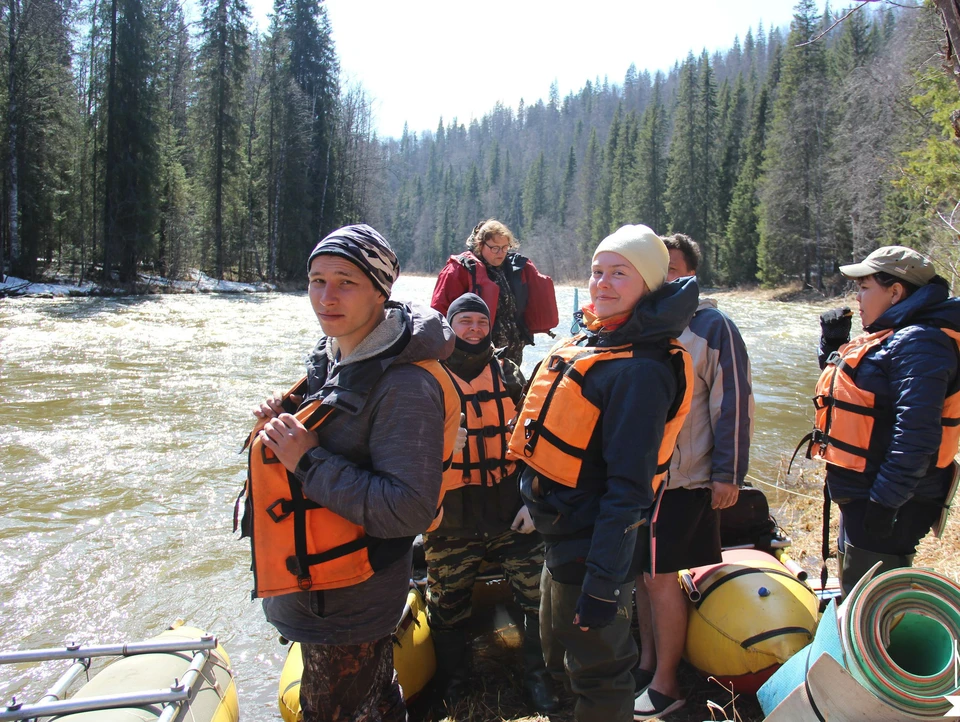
(748, 615)
(413, 658)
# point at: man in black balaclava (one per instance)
(483, 516)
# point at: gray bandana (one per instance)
(365, 247)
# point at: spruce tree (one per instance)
(308, 203)
(600, 225)
(622, 172)
(131, 162)
(223, 59)
(792, 196)
(534, 195)
(733, 130)
(648, 188)
(738, 258)
(683, 162)
(567, 190)
(589, 188)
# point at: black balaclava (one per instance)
(469, 359)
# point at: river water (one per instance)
(121, 422)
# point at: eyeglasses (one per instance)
(497, 249)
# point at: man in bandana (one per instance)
(377, 462)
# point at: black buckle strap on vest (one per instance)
(497, 373)
(533, 429)
(483, 395)
(299, 564)
(826, 402)
(289, 506)
(488, 464)
(465, 453)
(808, 440)
(488, 432)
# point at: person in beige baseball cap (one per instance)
(888, 410)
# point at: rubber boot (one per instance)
(537, 685)
(452, 677)
(855, 562)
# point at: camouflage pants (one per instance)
(350, 683)
(453, 564)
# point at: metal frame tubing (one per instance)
(173, 698)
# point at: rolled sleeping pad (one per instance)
(752, 616)
(899, 633)
(413, 658)
(215, 701)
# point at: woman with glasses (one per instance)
(520, 298)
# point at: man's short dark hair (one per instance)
(688, 247)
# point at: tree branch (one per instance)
(823, 32)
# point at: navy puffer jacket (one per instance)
(911, 373)
(596, 522)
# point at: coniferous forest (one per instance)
(140, 143)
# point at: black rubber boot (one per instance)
(855, 562)
(450, 646)
(537, 685)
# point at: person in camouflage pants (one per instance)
(483, 517)
(454, 563)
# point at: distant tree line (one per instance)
(138, 143)
(783, 156)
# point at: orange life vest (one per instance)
(845, 413)
(488, 408)
(296, 543)
(557, 422)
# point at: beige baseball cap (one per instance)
(899, 261)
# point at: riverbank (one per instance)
(197, 282)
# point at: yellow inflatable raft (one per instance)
(182, 674)
(413, 658)
(748, 615)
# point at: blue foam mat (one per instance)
(794, 670)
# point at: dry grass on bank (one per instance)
(797, 507)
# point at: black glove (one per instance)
(835, 324)
(592, 612)
(878, 520)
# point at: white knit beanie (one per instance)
(643, 249)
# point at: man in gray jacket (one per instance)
(377, 463)
(708, 466)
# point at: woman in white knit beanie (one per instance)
(599, 414)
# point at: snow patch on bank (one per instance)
(197, 282)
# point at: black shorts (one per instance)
(688, 530)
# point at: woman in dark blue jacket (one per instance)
(888, 406)
(605, 423)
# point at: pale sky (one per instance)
(419, 60)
